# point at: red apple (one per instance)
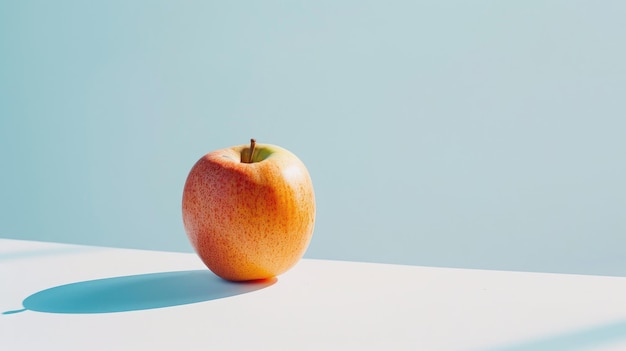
(249, 210)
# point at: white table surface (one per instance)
(92, 298)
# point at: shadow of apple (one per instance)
(138, 292)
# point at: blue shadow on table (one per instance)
(584, 339)
(138, 292)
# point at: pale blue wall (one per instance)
(485, 134)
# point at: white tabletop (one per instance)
(68, 297)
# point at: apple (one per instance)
(249, 210)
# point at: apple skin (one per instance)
(249, 221)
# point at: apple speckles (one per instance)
(249, 221)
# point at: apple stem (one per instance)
(252, 145)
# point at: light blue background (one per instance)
(481, 134)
